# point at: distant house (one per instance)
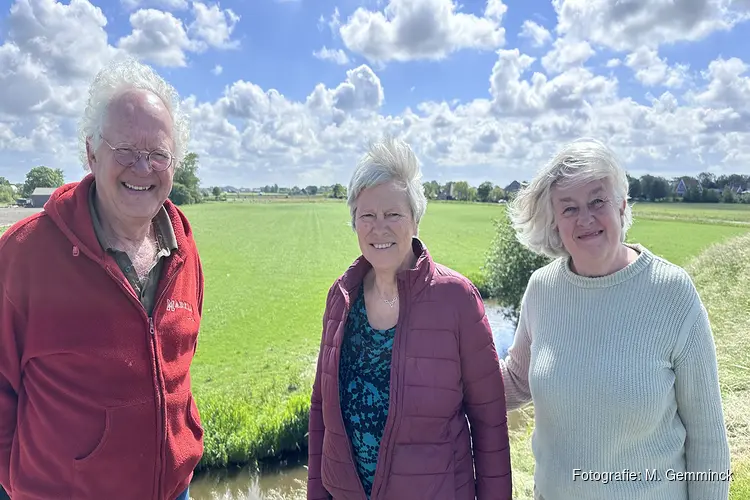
(448, 192)
(739, 189)
(513, 187)
(682, 187)
(40, 196)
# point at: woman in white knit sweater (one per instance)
(613, 347)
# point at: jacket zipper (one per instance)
(389, 433)
(152, 340)
(160, 389)
(338, 395)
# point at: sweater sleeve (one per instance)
(699, 406)
(316, 428)
(484, 403)
(515, 366)
(10, 380)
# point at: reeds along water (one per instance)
(295, 490)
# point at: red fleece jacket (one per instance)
(95, 398)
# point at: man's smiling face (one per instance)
(136, 119)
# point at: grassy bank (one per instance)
(722, 275)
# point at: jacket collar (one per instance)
(68, 207)
(415, 278)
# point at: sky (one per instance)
(292, 92)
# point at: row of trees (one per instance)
(706, 187)
(222, 193)
(462, 191)
(36, 177)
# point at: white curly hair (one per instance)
(120, 75)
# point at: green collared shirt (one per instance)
(166, 244)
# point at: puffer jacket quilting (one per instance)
(444, 369)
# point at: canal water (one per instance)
(288, 481)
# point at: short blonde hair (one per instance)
(389, 160)
(578, 162)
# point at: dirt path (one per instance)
(12, 215)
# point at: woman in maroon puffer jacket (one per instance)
(406, 356)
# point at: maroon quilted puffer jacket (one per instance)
(444, 369)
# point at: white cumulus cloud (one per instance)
(214, 26)
(538, 34)
(631, 24)
(422, 29)
(172, 5)
(566, 54)
(651, 70)
(157, 37)
(337, 56)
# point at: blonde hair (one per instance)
(578, 162)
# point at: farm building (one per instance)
(40, 196)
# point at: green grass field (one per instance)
(698, 212)
(268, 269)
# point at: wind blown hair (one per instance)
(577, 163)
(389, 160)
(121, 75)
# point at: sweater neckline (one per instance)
(644, 259)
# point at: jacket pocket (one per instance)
(184, 437)
(194, 417)
(122, 463)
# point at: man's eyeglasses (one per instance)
(159, 159)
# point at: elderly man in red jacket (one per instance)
(102, 295)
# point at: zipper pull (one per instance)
(151, 325)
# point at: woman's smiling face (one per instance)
(588, 220)
(385, 226)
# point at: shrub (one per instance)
(183, 195)
(480, 281)
(508, 267)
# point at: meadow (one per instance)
(269, 265)
(735, 214)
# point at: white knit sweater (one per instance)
(623, 376)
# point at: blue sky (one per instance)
(435, 85)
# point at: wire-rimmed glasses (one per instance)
(159, 159)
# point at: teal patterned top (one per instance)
(364, 381)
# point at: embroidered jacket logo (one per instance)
(173, 305)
